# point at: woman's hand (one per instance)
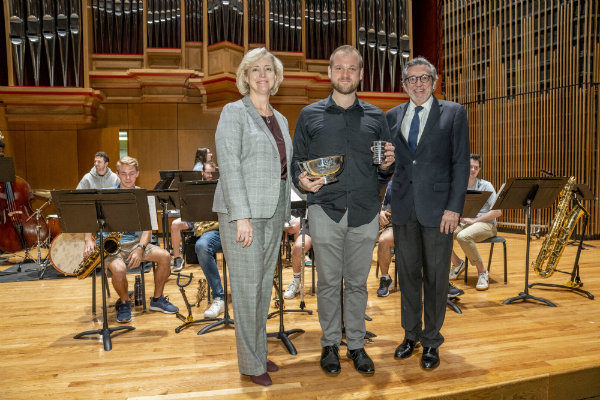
(310, 184)
(244, 232)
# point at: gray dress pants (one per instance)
(341, 252)
(251, 271)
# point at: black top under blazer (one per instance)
(435, 177)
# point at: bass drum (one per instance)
(66, 252)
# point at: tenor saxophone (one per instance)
(111, 247)
(558, 237)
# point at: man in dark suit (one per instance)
(428, 193)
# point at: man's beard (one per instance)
(351, 89)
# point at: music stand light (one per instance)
(528, 193)
(112, 210)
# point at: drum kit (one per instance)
(65, 249)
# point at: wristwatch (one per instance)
(142, 246)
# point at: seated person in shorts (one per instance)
(135, 248)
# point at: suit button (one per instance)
(414, 162)
(410, 182)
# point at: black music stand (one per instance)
(165, 198)
(474, 201)
(528, 193)
(195, 203)
(580, 193)
(575, 283)
(172, 178)
(113, 210)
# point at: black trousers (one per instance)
(423, 262)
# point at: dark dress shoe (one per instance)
(362, 361)
(330, 360)
(430, 358)
(405, 349)
(263, 380)
(271, 366)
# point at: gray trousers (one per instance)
(341, 252)
(251, 271)
(423, 262)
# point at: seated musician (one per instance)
(473, 230)
(177, 226)
(100, 176)
(207, 246)
(135, 248)
(385, 245)
(294, 229)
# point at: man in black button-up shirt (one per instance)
(343, 215)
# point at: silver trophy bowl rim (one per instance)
(339, 158)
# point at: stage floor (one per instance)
(524, 350)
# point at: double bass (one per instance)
(17, 230)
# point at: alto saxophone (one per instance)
(558, 236)
(111, 247)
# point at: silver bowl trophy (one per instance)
(325, 167)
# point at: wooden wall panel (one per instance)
(152, 116)
(193, 116)
(51, 163)
(113, 115)
(188, 140)
(91, 141)
(527, 73)
(155, 150)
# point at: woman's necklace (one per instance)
(266, 116)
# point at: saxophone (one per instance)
(558, 236)
(111, 247)
(200, 228)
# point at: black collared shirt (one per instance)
(325, 129)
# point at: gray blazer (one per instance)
(249, 165)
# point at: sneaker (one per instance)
(177, 264)
(456, 271)
(453, 291)
(307, 261)
(483, 281)
(384, 284)
(216, 308)
(292, 290)
(123, 311)
(163, 304)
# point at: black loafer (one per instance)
(330, 360)
(430, 358)
(405, 349)
(362, 362)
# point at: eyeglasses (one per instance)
(423, 78)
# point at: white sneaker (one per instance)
(292, 290)
(216, 308)
(456, 271)
(483, 281)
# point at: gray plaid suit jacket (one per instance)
(249, 165)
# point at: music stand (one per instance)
(7, 169)
(171, 179)
(582, 192)
(575, 283)
(165, 198)
(528, 193)
(113, 210)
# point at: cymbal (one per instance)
(43, 193)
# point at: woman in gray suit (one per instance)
(254, 150)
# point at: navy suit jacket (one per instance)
(435, 177)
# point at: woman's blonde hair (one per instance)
(249, 59)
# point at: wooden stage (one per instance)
(492, 351)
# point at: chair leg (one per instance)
(466, 267)
(505, 271)
(377, 270)
(490, 259)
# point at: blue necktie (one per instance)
(413, 132)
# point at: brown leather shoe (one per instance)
(271, 366)
(263, 380)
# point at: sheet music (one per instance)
(152, 208)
